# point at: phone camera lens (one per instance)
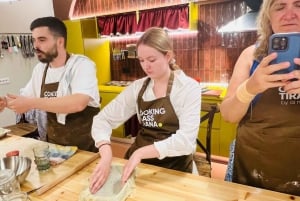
(279, 43)
(276, 42)
(283, 43)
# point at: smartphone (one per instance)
(287, 46)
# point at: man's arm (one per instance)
(3, 103)
(66, 104)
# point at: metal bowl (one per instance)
(19, 164)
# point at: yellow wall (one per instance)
(82, 39)
(74, 41)
(99, 51)
(89, 28)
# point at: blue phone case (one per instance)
(287, 46)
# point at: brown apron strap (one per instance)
(44, 78)
(146, 82)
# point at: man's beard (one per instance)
(47, 57)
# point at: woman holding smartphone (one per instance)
(267, 106)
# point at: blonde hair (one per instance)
(159, 39)
(264, 29)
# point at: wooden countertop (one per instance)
(43, 181)
(155, 183)
(152, 182)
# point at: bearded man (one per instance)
(63, 85)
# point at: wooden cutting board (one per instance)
(43, 181)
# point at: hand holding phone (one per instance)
(287, 46)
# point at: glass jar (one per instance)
(8, 183)
(21, 196)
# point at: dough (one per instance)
(112, 190)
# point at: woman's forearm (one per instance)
(232, 110)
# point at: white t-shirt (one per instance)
(186, 100)
(77, 76)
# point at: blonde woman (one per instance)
(167, 103)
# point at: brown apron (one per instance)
(268, 144)
(77, 129)
(158, 122)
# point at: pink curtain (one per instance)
(121, 24)
(106, 25)
(173, 17)
(127, 23)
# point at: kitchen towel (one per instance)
(59, 153)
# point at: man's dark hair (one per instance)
(55, 25)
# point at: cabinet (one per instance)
(222, 132)
(78, 30)
(74, 37)
(83, 39)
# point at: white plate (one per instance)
(3, 132)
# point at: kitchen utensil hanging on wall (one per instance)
(31, 48)
(4, 43)
(3, 46)
(9, 44)
(23, 46)
(14, 46)
(27, 48)
(18, 42)
(1, 54)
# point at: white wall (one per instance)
(18, 70)
(15, 17)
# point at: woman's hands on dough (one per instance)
(102, 170)
(133, 161)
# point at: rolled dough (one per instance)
(112, 190)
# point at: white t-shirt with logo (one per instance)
(78, 76)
